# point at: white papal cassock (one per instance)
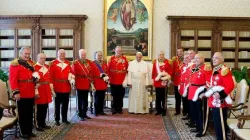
(138, 77)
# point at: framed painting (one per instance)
(128, 23)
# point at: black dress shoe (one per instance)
(32, 135)
(87, 117)
(176, 114)
(57, 123)
(46, 127)
(24, 136)
(194, 130)
(157, 113)
(199, 135)
(185, 118)
(102, 113)
(66, 122)
(191, 125)
(40, 129)
(120, 112)
(81, 119)
(114, 112)
(163, 114)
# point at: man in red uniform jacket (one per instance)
(83, 71)
(62, 79)
(101, 80)
(117, 70)
(177, 64)
(161, 74)
(218, 93)
(22, 82)
(191, 54)
(200, 74)
(43, 97)
(183, 81)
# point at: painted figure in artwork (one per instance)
(113, 17)
(127, 14)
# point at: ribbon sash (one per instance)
(99, 67)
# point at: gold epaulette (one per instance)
(74, 62)
(153, 61)
(170, 61)
(207, 67)
(108, 59)
(14, 62)
(51, 62)
(174, 58)
(224, 70)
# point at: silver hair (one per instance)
(81, 51)
(221, 55)
(139, 53)
(97, 53)
(161, 52)
(38, 56)
(118, 47)
(24, 48)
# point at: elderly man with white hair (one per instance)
(220, 86)
(138, 80)
(82, 68)
(43, 94)
(23, 79)
(161, 75)
(62, 80)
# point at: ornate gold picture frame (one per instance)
(129, 24)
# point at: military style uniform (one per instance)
(22, 82)
(83, 72)
(44, 92)
(59, 73)
(181, 86)
(100, 82)
(221, 82)
(177, 64)
(198, 78)
(117, 70)
(159, 67)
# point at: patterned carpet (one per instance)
(125, 126)
(120, 127)
(179, 130)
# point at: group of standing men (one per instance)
(196, 83)
(201, 89)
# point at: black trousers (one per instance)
(61, 101)
(220, 114)
(41, 113)
(191, 111)
(177, 100)
(185, 105)
(198, 115)
(117, 92)
(25, 115)
(160, 100)
(99, 100)
(82, 96)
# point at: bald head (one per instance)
(198, 59)
(41, 58)
(61, 54)
(82, 54)
(217, 58)
(161, 55)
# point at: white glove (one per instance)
(36, 76)
(52, 90)
(72, 82)
(106, 79)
